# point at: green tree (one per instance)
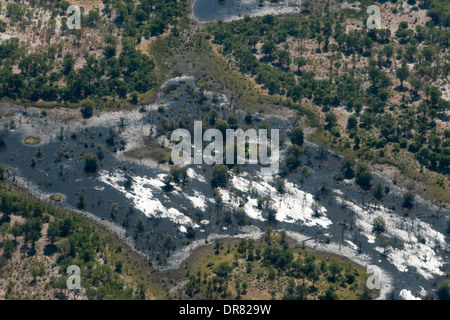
(213, 115)
(378, 190)
(408, 200)
(223, 269)
(90, 163)
(233, 121)
(435, 95)
(8, 248)
(2, 166)
(378, 225)
(331, 119)
(363, 175)
(352, 122)
(280, 184)
(448, 225)
(220, 176)
(402, 74)
(68, 63)
(284, 58)
(300, 62)
(16, 230)
(348, 168)
(269, 48)
(222, 126)
(293, 154)
(81, 200)
(53, 231)
(87, 111)
(296, 135)
(443, 291)
(179, 174)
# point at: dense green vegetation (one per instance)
(270, 268)
(118, 70)
(71, 240)
(272, 51)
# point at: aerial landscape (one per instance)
(224, 150)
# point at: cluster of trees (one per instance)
(272, 261)
(143, 19)
(72, 239)
(359, 171)
(294, 151)
(177, 175)
(261, 48)
(103, 76)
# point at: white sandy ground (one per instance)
(413, 254)
(291, 206)
(407, 295)
(142, 195)
(275, 8)
(194, 175)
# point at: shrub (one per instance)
(90, 163)
(87, 111)
(408, 200)
(378, 225)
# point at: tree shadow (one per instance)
(31, 252)
(401, 89)
(50, 249)
(5, 219)
(60, 296)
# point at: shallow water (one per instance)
(413, 265)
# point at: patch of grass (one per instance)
(152, 149)
(31, 141)
(45, 183)
(57, 197)
(158, 51)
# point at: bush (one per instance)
(90, 163)
(377, 190)
(363, 176)
(352, 122)
(292, 156)
(408, 200)
(280, 184)
(443, 291)
(296, 136)
(87, 111)
(223, 269)
(220, 176)
(378, 225)
(8, 248)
